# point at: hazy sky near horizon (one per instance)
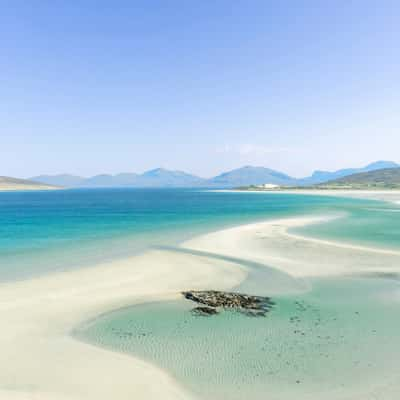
(93, 87)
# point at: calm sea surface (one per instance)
(331, 341)
(47, 231)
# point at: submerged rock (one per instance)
(204, 311)
(255, 306)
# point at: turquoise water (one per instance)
(338, 338)
(47, 231)
(370, 225)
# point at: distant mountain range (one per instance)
(247, 175)
(64, 180)
(325, 176)
(159, 177)
(383, 178)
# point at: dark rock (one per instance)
(254, 306)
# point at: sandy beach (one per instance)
(17, 188)
(392, 196)
(12, 184)
(273, 244)
(383, 195)
(42, 361)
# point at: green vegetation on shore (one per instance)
(386, 179)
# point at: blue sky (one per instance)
(93, 87)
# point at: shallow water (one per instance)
(368, 225)
(338, 338)
(325, 338)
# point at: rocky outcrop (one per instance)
(214, 301)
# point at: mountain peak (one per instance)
(325, 176)
(249, 175)
(156, 171)
(381, 164)
(243, 176)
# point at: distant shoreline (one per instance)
(389, 195)
(28, 188)
(8, 184)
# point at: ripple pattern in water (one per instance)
(340, 338)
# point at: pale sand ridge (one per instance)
(271, 243)
(392, 196)
(40, 360)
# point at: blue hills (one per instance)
(247, 175)
(325, 176)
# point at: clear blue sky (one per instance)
(92, 87)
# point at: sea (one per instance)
(327, 342)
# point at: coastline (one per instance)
(16, 189)
(40, 313)
(273, 244)
(26, 187)
(391, 196)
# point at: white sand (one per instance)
(270, 243)
(40, 360)
(16, 188)
(14, 184)
(383, 195)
